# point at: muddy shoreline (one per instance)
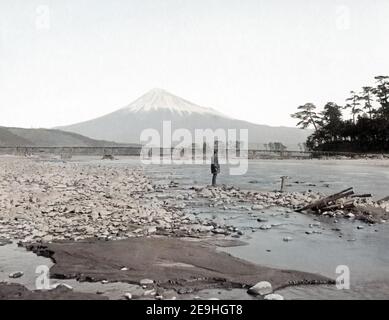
(176, 264)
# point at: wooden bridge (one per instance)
(72, 151)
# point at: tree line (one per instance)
(360, 125)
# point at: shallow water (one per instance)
(363, 251)
(366, 176)
(14, 258)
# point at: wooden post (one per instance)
(204, 152)
(238, 149)
(283, 185)
(215, 167)
(226, 150)
(193, 151)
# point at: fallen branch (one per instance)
(344, 202)
(327, 201)
(365, 195)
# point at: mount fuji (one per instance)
(150, 110)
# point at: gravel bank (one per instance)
(47, 201)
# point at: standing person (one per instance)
(215, 169)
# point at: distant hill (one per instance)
(13, 137)
(8, 139)
(125, 125)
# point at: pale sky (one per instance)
(66, 61)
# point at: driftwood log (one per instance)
(365, 195)
(346, 201)
(330, 202)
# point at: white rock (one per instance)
(261, 288)
(128, 296)
(48, 238)
(151, 292)
(265, 227)
(274, 296)
(316, 224)
(219, 231)
(145, 282)
(287, 239)
(151, 230)
(61, 285)
(201, 228)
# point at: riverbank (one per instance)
(47, 201)
(73, 212)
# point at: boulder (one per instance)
(16, 274)
(61, 286)
(151, 230)
(261, 288)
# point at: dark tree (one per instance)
(365, 132)
(307, 116)
(366, 97)
(353, 105)
(382, 94)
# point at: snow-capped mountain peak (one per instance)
(159, 99)
(126, 125)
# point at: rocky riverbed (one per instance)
(53, 200)
(229, 198)
(53, 207)
(47, 201)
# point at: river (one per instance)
(333, 243)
